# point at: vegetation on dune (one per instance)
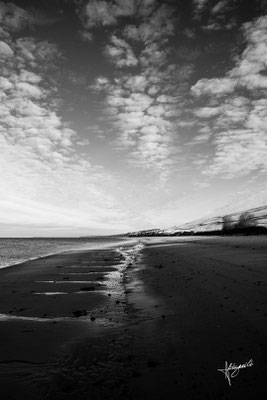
(251, 222)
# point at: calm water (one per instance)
(14, 251)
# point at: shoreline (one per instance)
(124, 241)
(165, 315)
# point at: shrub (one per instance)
(246, 220)
(227, 223)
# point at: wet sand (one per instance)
(151, 323)
(198, 304)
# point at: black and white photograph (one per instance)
(133, 199)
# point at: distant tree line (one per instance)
(246, 224)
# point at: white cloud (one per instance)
(44, 181)
(158, 26)
(124, 7)
(14, 17)
(101, 83)
(239, 125)
(153, 55)
(208, 112)
(154, 90)
(5, 84)
(202, 138)
(156, 19)
(166, 99)
(5, 50)
(185, 124)
(136, 83)
(257, 118)
(131, 32)
(29, 90)
(86, 36)
(28, 76)
(138, 102)
(217, 17)
(146, 7)
(219, 26)
(156, 110)
(121, 53)
(249, 67)
(106, 13)
(219, 7)
(215, 86)
(253, 60)
(144, 97)
(98, 13)
(239, 152)
(199, 5)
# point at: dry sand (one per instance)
(154, 324)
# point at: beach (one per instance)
(152, 320)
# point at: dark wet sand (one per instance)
(156, 325)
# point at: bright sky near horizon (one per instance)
(123, 115)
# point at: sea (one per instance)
(17, 250)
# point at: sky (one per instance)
(123, 115)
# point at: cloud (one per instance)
(146, 7)
(257, 118)
(136, 83)
(106, 13)
(200, 4)
(86, 36)
(33, 53)
(238, 153)
(132, 32)
(5, 84)
(233, 112)
(247, 72)
(217, 17)
(253, 60)
(219, 7)
(215, 86)
(30, 77)
(202, 138)
(208, 112)
(185, 124)
(29, 90)
(142, 104)
(101, 83)
(218, 26)
(120, 53)
(190, 33)
(124, 7)
(99, 13)
(142, 121)
(239, 121)
(5, 50)
(154, 19)
(153, 55)
(198, 7)
(43, 177)
(15, 18)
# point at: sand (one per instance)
(144, 323)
